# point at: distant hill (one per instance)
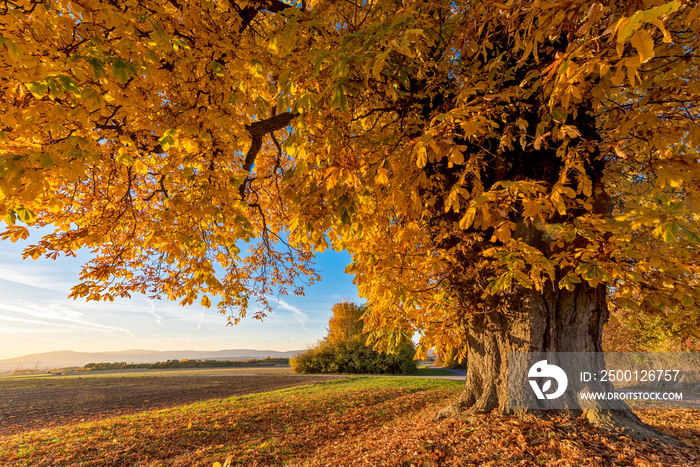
(67, 358)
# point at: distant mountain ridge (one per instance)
(66, 358)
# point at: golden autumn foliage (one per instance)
(628, 332)
(346, 323)
(432, 140)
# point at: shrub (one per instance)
(352, 356)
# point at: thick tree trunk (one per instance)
(530, 321)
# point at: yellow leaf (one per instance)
(531, 209)
(619, 77)
(422, 160)
(468, 218)
(381, 178)
(660, 24)
(189, 145)
(569, 192)
(632, 64)
(140, 167)
(693, 15)
(452, 201)
(456, 156)
(642, 41)
(502, 233)
(676, 181)
(378, 67)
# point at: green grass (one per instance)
(361, 383)
(433, 372)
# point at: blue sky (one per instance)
(36, 315)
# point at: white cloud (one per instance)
(299, 316)
(159, 319)
(53, 315)
(34, 276)
(201, 318)
(54, 309)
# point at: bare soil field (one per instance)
(33, 403)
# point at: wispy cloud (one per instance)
(51, 316)
(299, 316)
(159, 319)
(165, 312)
(39, 277)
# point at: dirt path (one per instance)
(29, 404)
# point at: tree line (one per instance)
(185, 363)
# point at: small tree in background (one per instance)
(346, 323)
(344, 349)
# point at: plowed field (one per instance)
(35, 403)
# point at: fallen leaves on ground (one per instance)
(491, 440)
(343, 424)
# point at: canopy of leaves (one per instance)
(456, 149)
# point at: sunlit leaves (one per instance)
(642, 41)
(56, 85)
(626, 26)
(14, 233)
(167, 141)
(346, 322)
(456, 152)
(118, 125)
(468, 218)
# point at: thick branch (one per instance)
(249, 12)
(257, 131)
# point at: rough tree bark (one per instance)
(530, 321)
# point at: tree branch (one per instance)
(257, 131)
(248, 13)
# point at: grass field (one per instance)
(354, 421)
